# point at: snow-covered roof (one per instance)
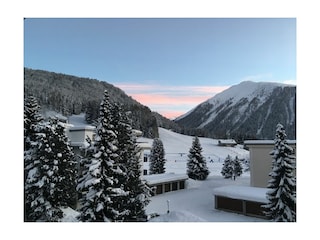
(57, 115)
(78, 144)
(227, 141)
(80, 128)
(138, 133)
(144, 145)
(164, 177)
(265, 142)
(255, 194)
(144, 140)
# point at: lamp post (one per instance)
(168, 204)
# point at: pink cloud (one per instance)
(150, 99)
(170, 101)
(171, 114)
(139, 88)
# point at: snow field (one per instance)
(196, 202)
(177, 148)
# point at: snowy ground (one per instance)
(177, 148)
(196, 203)
(192, 210)
(193, 204)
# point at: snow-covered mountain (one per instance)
(247, 110)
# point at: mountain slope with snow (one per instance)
(246, 110)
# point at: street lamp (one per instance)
(168, 204)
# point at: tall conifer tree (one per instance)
(34, 140)
(99, 183)
(121, 201)
(157, 160)
(32, 119)
(282, 194)
(42, 177)
(139, 192)
(65, 193)
(196, 166)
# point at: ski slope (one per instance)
(177, 148)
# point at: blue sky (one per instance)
(191, 59)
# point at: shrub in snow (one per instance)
(196, 166)
(157, 160)
(282, 194)
(231, 168)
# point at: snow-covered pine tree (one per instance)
(31, 116)
(281, 197)
(237, 168)
(41, 180)
(196, 166)
(139, 192)
(65, 190)
(157, 161)
(32, 119)
(98, 181)
(227, 167)
(121, 201)
(232, 168)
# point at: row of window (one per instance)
(168, 187)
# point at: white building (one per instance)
(78, 136)
(261, 160)
(144, 145)
(166, 182)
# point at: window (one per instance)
(145, 158)
(167, 187)
(181, 185)
(174, 186)
(159, 189)
(145, 172)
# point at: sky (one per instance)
(169, 64)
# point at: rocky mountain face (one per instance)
(249, 110)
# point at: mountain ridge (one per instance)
(68, 94)
(245, 110)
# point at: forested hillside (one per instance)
(69, 95)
